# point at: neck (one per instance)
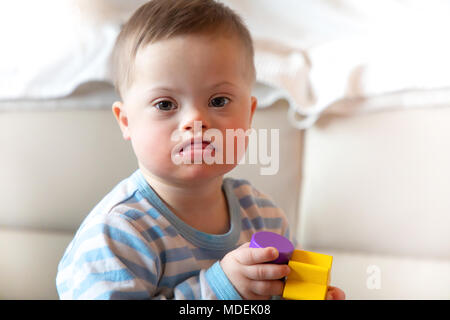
(200, 205)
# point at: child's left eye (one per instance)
(219, 102)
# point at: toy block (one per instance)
(264, 239)
(310, 272)
(309, 277)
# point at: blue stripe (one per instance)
(76, 243)
(153, 233)
(94, 255)
(142, 272)
(246, 224)
(128, 239)
(135, 197)
(106, 253)
(272, 223)
(265, 203)
(176, 254)
(257, 223)
(186, 290)
(171, 231)
(134, 214)
(115, 234)
(246, 202)
(93, 278)
(250, 200)
(172, 281)
(208, 254)
(240, 182)
(123, 295)
(152, 212)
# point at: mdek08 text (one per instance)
(246, 309)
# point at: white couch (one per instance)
(375, 195)
(370, 189)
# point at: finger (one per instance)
(335, 293)
(245, 245)
(267, 288)
(266, 271)
(249, 256)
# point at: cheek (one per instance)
(149, 144)
(239, 120)
(245, 118)
(236, 142)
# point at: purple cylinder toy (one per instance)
(264, 239)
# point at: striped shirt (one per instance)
(131, 246)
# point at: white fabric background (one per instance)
(311, 53)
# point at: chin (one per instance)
(199, 172)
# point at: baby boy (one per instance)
(176, 228)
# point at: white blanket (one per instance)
(337, 50)
(312, 53)
(49, 47)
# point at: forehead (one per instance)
(192, 56)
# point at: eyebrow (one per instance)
(162, 88)
(224, 83)
(219, 84)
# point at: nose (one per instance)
(194, 118)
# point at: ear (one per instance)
(120, 114)
(254, 104)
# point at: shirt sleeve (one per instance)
(111, 259)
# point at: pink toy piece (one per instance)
(264, 239)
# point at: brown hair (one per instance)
(162, 19)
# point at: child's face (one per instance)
(179, 81)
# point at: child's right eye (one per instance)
(165, 105)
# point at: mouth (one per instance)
(193, 145)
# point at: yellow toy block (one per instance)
(309, 277)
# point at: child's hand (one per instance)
(335, 293)
(251, 277)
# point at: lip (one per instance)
(193, 144)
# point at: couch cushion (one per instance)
(379, 182)
(376, 276)
(59, 165)
(29, 262)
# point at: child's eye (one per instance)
(219, 102)
(165, 105)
